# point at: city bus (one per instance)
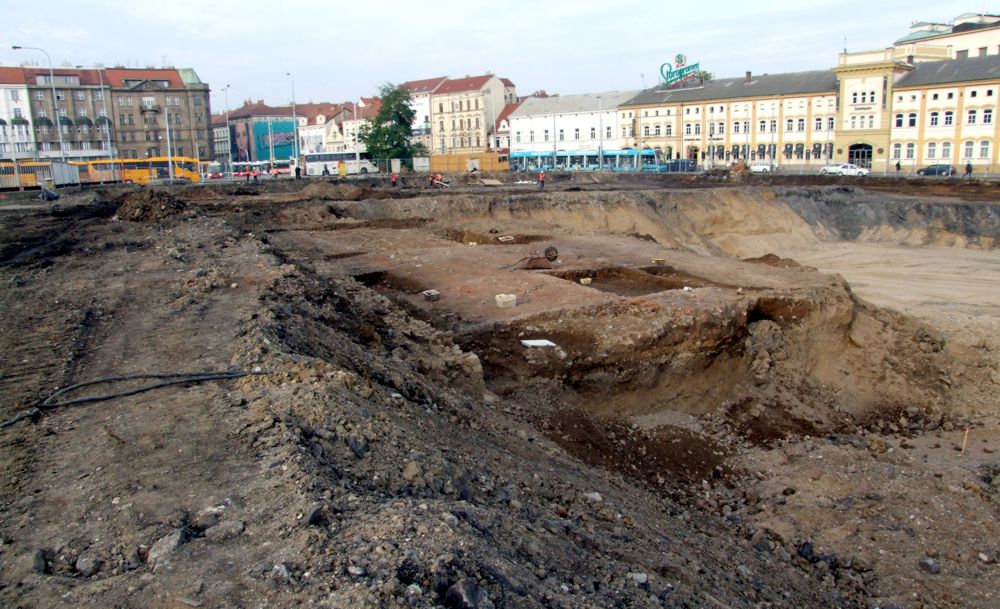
(314, 163)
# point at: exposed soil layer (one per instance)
(712, 424)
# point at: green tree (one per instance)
(706, 76)
(387, 136)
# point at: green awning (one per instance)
(19, 120)
(103, 120)
(83, 120)
(64, 120)
(2, 122)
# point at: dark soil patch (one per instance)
(635, 282)
(493, 238)
(665, 456)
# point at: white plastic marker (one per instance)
(965, 440)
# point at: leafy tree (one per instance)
(387, 136)
(706, 76)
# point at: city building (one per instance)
(220, 140)
(585, 122)
(17, 138)
(420, 101)
(314, 120)
(501, 136)
(778, 118)
(968, 35)
(80, 114)
(465, 112)
(261, 133)
(342, 133)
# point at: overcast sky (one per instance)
(338, 51)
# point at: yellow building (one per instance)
(465, 111)
(785, 119)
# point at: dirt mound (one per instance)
(332, 192)
(148, 205)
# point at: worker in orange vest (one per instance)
(541, 179)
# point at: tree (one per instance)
(706, 76)
(387, 135)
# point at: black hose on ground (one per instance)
(178, 378)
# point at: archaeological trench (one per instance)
(624, 391)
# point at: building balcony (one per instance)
(150, 108)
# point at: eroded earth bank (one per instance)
(716, 421)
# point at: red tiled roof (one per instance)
(424, 86)
(507, 82)
(12, 76)
(507, 110)
(117, 76)
(458, 85)
(312, 111)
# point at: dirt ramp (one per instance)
(149, 205)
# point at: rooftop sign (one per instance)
(672, 76)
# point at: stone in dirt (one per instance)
(467, 594)
(88, 564)
(225, 530)
(929, 565)
(165, 545)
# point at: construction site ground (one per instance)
(735, 392)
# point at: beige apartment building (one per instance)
(968, 35)
(779, 118)
(465, 111)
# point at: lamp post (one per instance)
(170, 154)
(295, 118)
(600, 134)
(52, 83)
(229, 135)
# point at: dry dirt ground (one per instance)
(768, 393)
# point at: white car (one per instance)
(762, 168)
(844, 169)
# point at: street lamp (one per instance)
(229, 141)
(600, 135)
(52, 83)
(295, 118)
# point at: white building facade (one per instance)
(587, 123)
(16, 133)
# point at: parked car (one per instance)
(762, 168)
(937, 170)
(844, 169)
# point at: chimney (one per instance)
(747, 81)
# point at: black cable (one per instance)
(179, 378)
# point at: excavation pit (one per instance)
(631, 282)
(491, 238)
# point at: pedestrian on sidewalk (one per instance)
(968, 170)
(541, 180)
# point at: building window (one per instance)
(561, 138)
(897, 151)
(517, 136)
(78, 95)
(531, 136)
(687, 128)
(949, 119)
(988, 116)
(722, 128)
(854, 124)
(932, 150)
(819, 124)
(607, 132)
(593, 133)
(746, 126)
(60, 95)
(763, 126)
(899, 120)
(656, 130)
(854, 97)
(971, 117)
(934, 119)
(802, 124)
(697, 128)
(830, 123)
(774, 125)
(946, 150)
(545, 135)
(670, 130)
(736, 127)
(645, 130)
(984, 150)
(39, 95)
(910, 150)
(911, 120)
(788, 124)
(969, 147)
(576, 133)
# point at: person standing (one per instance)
(256, 174)
(394, 179)
(298, 172)
(899, 168)
(541, 180)
(968, 170)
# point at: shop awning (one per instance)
(19, 120)
(64, 120)
(103, 120)
(43, 121)
(83, 120)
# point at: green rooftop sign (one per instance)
(672, 76)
